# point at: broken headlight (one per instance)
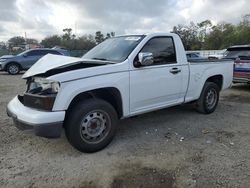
(41, 93)
(42, 86)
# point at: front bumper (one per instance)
(45, 124)
(2, 65)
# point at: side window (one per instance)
(36, 53)
(33, 53)
(43, 52)
(163, 50)
(244, 53)
(52, 52)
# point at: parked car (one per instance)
(219, 55)
(121, 77)
(23, 61)
(241, 55)
(191, 56)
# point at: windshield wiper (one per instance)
(103, 59)
(97, 58)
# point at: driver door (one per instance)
(32, 57)
(156, 85)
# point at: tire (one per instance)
(209, 98)
(13, 68)
(91, 125)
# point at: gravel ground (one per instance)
(174, 147)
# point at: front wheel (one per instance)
(13, 68)
(91, 125)
(209, 98)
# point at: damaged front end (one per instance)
(33, 109)
(40, 94)
(41, 90)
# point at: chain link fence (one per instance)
(73, 53)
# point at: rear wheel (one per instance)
(13, 68)
(209, 98)
(91, 125)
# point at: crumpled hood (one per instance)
(49, 62)
(7, 56)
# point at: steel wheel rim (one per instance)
(13, 69)
(95, 126)
(211, 98)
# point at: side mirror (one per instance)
(146, 58)
(25, 55)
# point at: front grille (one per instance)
(39, 101)
(20, 98)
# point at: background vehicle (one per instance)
(219, 55)
(122, 77)
(241, 55)
(194, 56)
(23, 61)
(237, 51)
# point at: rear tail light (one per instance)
(242, 64)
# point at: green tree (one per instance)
(242, 33)
(109, 35)
(99, 37)
(85, 42)
(68, 34)
(3, 45)
(245, 21)
(51, 41)
(31, 41)
(221, 36)
(205, 36)
(188, 34)
(68, 39)
(203, 31)
(215, 38)
(16, 41)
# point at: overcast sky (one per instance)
(40, 18)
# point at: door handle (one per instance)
(175, 70)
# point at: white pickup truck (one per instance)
(122, 77)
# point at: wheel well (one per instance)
(12, 62)
(217, 79)
(110, 94)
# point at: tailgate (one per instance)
(242, 68)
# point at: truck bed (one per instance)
(208, 61)
(200, 70)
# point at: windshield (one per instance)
(22, 53)
(115, 49)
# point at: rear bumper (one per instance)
(45, 124)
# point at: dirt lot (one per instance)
(175, 147)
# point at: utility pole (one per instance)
(26, 45)
(75, 29)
